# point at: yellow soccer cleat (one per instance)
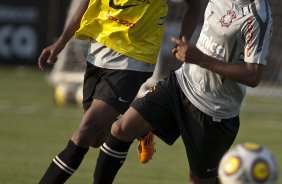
(146, 148)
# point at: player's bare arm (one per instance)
(190, 18)
(246, 73)
(49, 54)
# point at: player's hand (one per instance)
(186, 52)
(49, 55)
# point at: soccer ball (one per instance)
(248, 163)
(64, 93)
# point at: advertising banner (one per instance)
(22, 30)
(24, 26)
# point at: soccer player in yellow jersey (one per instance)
(125, 40)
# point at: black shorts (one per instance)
(171, 115)
(117, 88)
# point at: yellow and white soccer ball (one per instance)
(248, 163)
(64, 93)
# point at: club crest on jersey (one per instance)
(226, 20)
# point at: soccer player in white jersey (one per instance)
(200, 101)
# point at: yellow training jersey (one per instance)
(131, 27)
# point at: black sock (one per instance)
(111, 157)
(64, 164)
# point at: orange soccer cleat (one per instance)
(146, 148)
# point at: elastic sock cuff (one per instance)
(79, 149)
(117, 144)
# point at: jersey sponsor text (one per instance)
(120, 21)
(209, 46)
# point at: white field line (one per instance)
(268, 110)
(270, 125)
(263, 91)
(260, 108)
(33, 108)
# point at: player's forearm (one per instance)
(246, 73)
(74, 23)
(190, 18)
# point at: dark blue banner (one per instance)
(24, 29)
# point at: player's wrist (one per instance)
(195, 56)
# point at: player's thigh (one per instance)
(130, 126)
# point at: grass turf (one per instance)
(33, 130)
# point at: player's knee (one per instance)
(89, 133)
(116, 129)
(120, 131)
(82, 139)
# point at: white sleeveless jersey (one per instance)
(234, 31)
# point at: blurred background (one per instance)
(26, 27)
(39, 110)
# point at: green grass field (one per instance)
(33, 130)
